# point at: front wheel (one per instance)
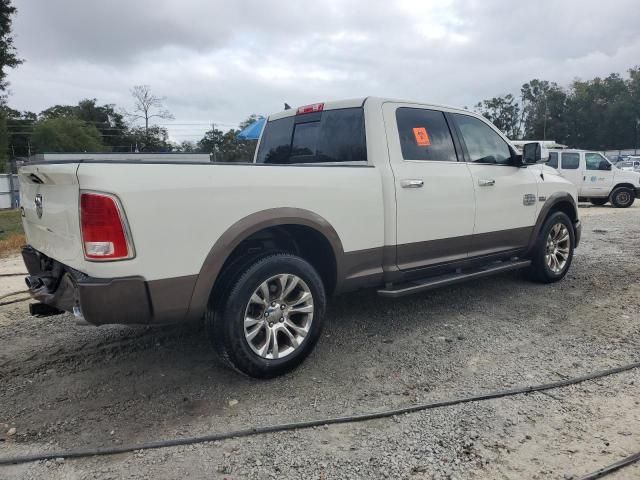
(553, 252)
(270, 317)
(622, 197)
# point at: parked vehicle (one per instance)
(595, 177)
(367, 193)
(631, 164)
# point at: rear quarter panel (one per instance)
(176, 212)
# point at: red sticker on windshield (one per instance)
(422, 137)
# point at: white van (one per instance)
(598, 181)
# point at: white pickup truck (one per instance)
(597, 179)
(367, 193)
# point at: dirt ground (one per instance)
(65, 386)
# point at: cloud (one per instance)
(221, 61)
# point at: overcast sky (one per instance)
(223, 60)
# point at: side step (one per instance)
(421, 285)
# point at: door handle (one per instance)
(486, 182)
(411, 183)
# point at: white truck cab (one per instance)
(597, 179)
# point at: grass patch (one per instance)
(11, 233)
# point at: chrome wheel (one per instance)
(278, 316)
(557, 248)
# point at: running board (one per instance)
(422, 285)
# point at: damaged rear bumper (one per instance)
(99, 301)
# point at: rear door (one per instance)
(598, 175)
(434, 194)
(49, 204)
(506, 195)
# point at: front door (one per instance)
(597, 177)
(506, 195)
(435, 204)
(571, 168)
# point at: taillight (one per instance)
(316, 107)
(104, 233)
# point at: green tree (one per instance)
(3, 142)
(226, 146)
(186, 146)
(8, 55)
(634, 92)
(19, 128)
(602, 113)
(66, 135)
(151, 139)
(504, 113)
(543, 110)
(105, 118)
(8, 59)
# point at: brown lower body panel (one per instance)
(376, 266)
(444, 250)
(134, 300)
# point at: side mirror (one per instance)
(531, 152)
(604, 165)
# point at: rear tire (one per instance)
(622, 197)
(269, 316)
(553, 252)
(598, 201)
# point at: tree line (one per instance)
(596, 114)
(91, 127)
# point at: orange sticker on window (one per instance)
(422, 137)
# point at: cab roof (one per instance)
(359, 102)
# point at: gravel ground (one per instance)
(66, 386)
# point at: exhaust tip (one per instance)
(33, 282)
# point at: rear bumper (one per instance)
(100, 301)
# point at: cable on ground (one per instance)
(251, 431)
(625, 462)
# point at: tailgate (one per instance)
(49, 199)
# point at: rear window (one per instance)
(335, 136)
(570, 161)
(553, 160)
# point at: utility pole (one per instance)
(213, 136)
(544, 124)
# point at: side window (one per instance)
(595, 161)
(483, 144)
(553, 159)
(570, 161)
(424, 135)
(331, 136)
